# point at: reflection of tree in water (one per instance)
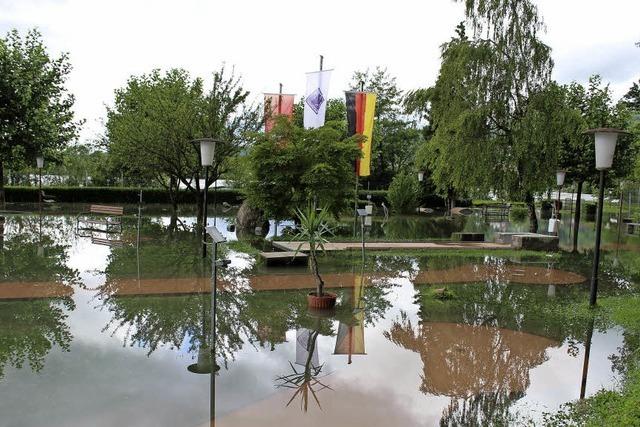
(32, 254)
(482, 369)
(29, 329)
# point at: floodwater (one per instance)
(119, 333)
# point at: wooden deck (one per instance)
(356, 246)
(283, 258)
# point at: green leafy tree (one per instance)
(291, 166)
(36, 114)
(632, 98)
(155, 117)
(593, 108)
(403, 193)
(493, 106)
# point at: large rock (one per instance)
(538, 242)
(249, 218)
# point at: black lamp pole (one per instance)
(204, 212)
(596, 254)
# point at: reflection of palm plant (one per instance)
(313, 230)
(306, 381)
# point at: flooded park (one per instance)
(90, 323)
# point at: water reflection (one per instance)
(143, 312)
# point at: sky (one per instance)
(271, 42)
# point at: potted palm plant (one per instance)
(312, 230)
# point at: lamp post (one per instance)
(554, 223)
(207, 153)
(605, 146)
(40, 165)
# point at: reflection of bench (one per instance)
(632, 227)
(496, 211)
(107, 242)
(47, 198)
(110, 216)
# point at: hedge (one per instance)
(113, 195)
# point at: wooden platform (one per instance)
(282, 258)
(378, 246)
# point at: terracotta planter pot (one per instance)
(326, 301)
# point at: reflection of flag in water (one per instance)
(361, 107)
(316, 96)
(350, 338)
(276, 104)
(306, 343)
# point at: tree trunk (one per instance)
(531, 206)
(316, 273)
(2, 198)
(173, 196)
(576, 216)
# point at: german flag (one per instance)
(360, 110)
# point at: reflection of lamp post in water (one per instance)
(585, 365)
(206, 362)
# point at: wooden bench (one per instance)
(111, 217)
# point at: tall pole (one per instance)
(321, 61)
(596, 254)
(619, 219)
(204, 212)
(40, 188)
(214, 292)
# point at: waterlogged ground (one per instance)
(120, 334)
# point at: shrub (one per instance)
(519, 213)
(122, 195)
(403, 193)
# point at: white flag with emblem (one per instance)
(315, 101)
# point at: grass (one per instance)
(243, 246)
(612, 408)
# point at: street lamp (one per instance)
(40, 165)
(605, 145)
(207, 153)
(554, 223)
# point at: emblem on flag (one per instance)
(315, 100)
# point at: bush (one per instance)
(519, 213)
(590, 209)
(122, 195)
(403, 193)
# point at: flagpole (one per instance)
(355, 210)
(321, 60)
(280, 100)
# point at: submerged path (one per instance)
(349, 246)
(130, 286)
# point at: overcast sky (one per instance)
(271, 42)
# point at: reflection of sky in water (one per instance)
(104, 381)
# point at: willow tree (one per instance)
(494, 117)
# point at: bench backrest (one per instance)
(107, 210)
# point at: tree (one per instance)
(290, 167)
(632, 98)
(594, 108)
(156, 116)
(493, 106)
(36, 114)
(403, 193)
